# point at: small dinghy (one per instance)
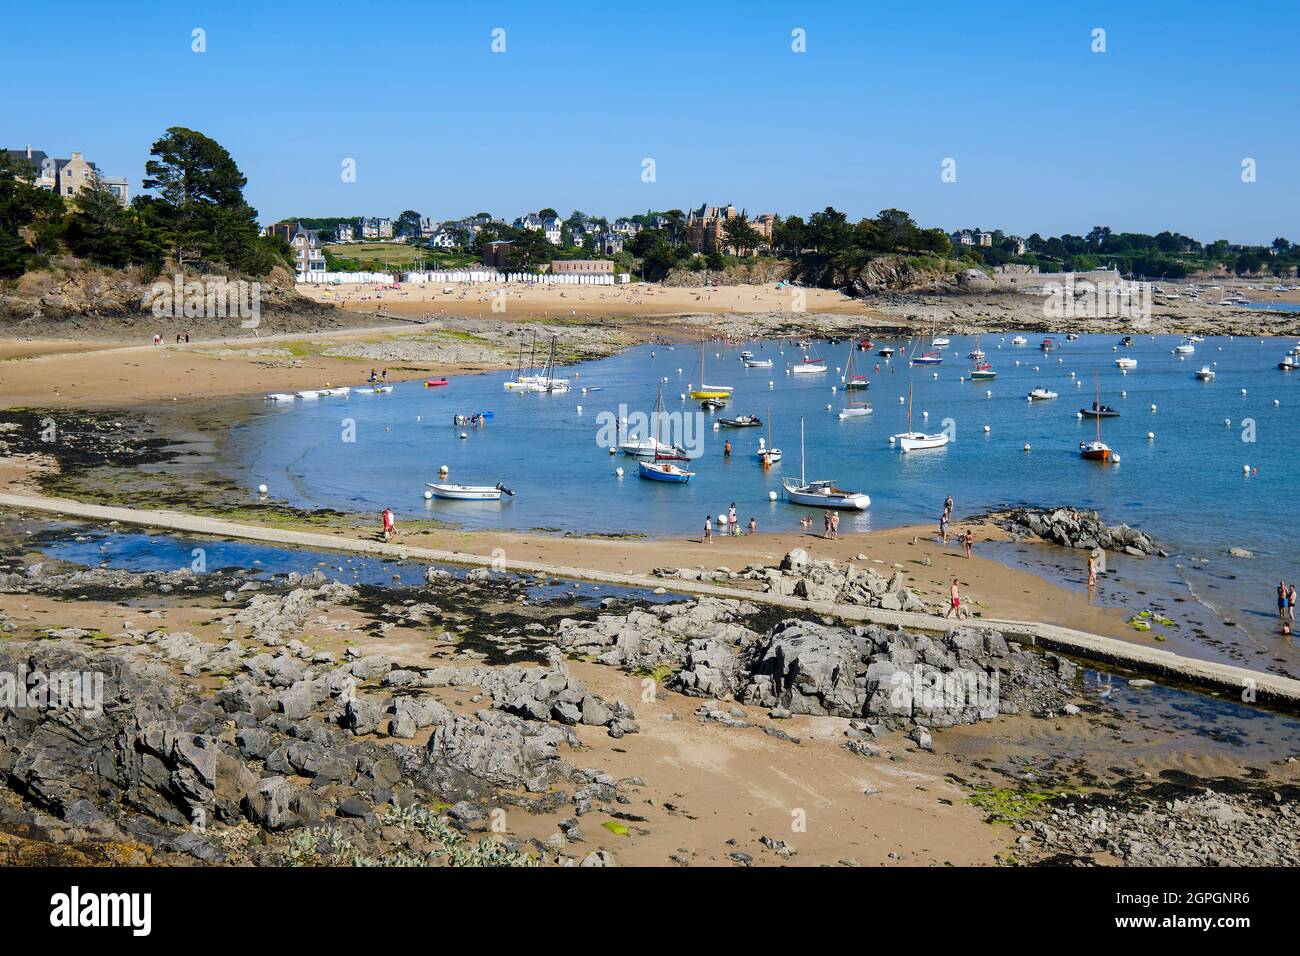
(713, 404)
(374, 389)
(435, 383)
(1126, 363)
(309, 393)
(280, 397)
(758, 363)
(1041, 394)
(1205, 373)
(1020, 340)
(468, 492)
(339, 391)
(741, 421)
(886, 352)
(1184, 347)
(1288, 363)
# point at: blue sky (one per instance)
(1047, 135)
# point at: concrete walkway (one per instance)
(1241, 682)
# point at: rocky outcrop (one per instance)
(798, 575)
(1072, 528)
(1205, 828)
(657, 636)
(900, 679)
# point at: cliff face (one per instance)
(73, 298)
(756, 273)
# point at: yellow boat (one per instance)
(709, 391)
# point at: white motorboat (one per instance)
(337, 391)
(1126, 363)
(280, 397)
(468, 492)
(821, 494)
(648, 448)
(808, 367)
(854, 411)
(1184, 347)
(746, 354)
(1042, 394)
(1020, 340)
(941, 341)
(309, 393)
(758, 363)
(1205, 373)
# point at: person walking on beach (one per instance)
(390, 525)
(1092, 570)
(1281, 601)
(954, 601)
(733, 523)
(969, 541)
(826, 524)
(1290, 603)
(708, 529)
(943, 525)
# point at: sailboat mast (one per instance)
(803, 480)
(1097, 406)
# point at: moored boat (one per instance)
(1041, 393)
(821, 494)
(741, 421)
(468, 492)
(916, 441)
(1126, 363)
(1097, 450)
(1205, 373)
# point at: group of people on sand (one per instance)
(180, 337)
(381, 377)
(730, 525)
(966, 540)
(1286, 606)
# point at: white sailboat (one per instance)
(809, 366)
(914, 441)
(821, 494)
(853, 384)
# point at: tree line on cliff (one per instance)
(194, 217)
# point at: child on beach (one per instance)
(943, 526)
(733, 522)
(753, 525)
(708, 529)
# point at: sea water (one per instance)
(1182, 475)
